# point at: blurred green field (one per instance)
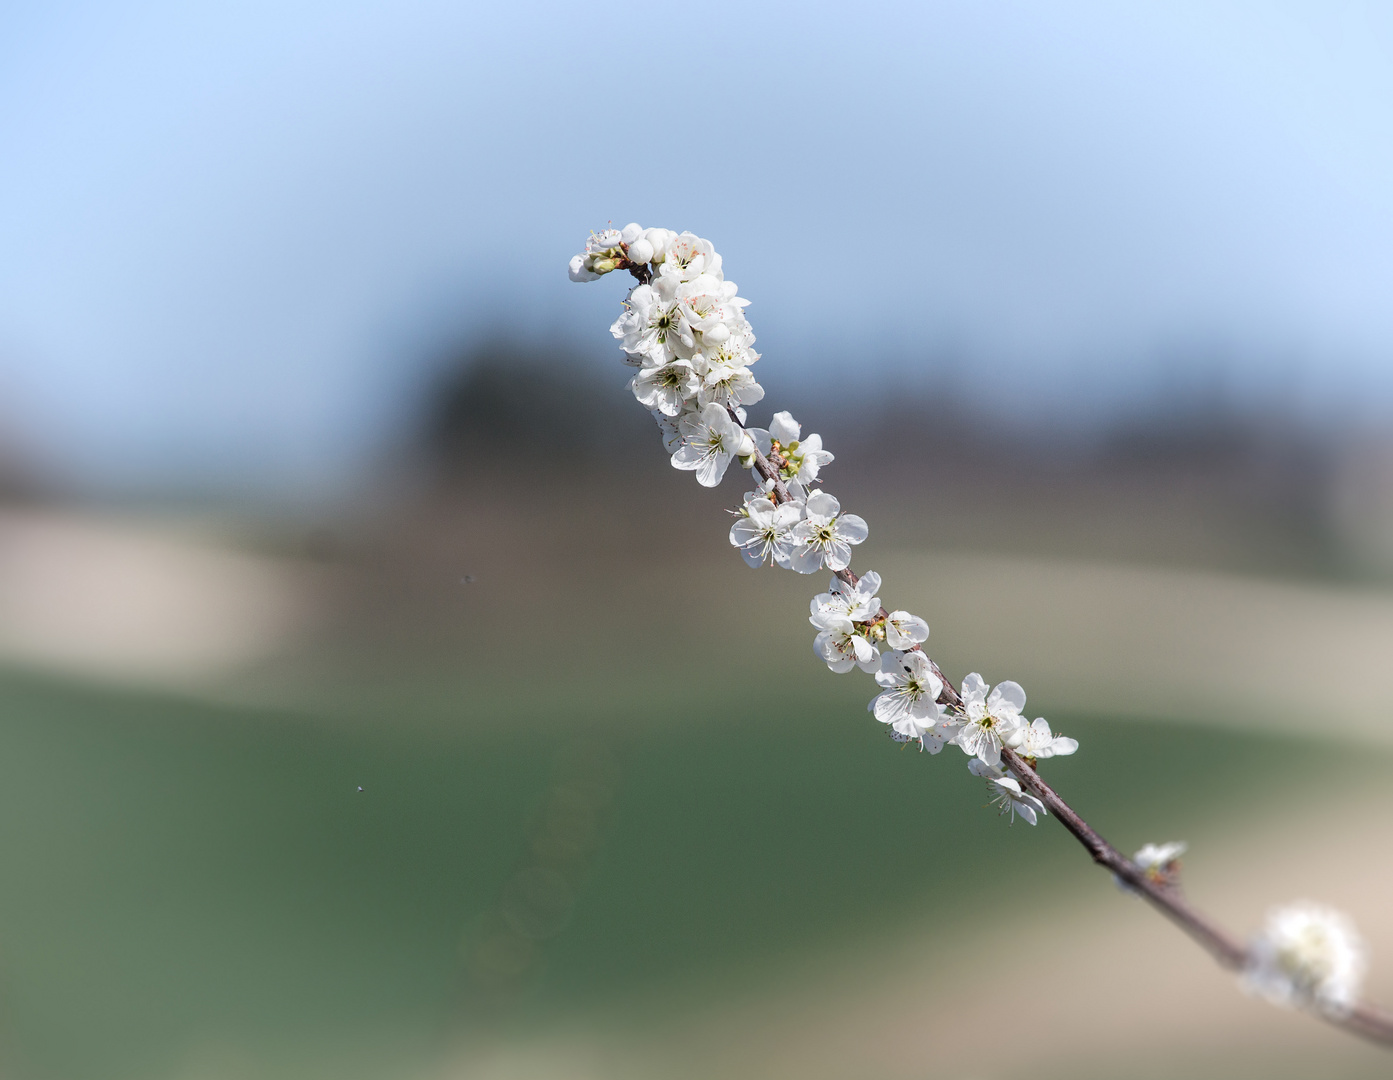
(193, 890)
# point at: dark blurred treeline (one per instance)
(1187, 479)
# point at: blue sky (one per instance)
(232, 236)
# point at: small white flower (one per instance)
(667, 387)
(904, 631)
(712, 308)
(988, 720)
(910, 701)
(653, 329)
(797, 458)
(687, 257)
(1308, 956)
(710, 438)
(858, 602)
(1006, 791)
(602, 254)
(827, 535)
(843, 647)
(1154, 858)
(1037, 741)
(735, 351)
(726, 385)
(1159, 862)
(764, 532)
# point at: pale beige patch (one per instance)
(130, 602)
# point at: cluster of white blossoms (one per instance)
(685, 332)
(1307, 956)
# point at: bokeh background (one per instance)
(375, 701)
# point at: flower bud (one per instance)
(658, 238)
(640, 250)
(630, 232)
(745, 446)
(579, 271)
(716, 334)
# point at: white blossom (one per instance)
(712, 308)
(858, 602)
(1006, 791)
(989, 719)
(653, 328)
(687, 257)
(1159, 862)
(764, 532)
(827, 535)
(1157, 857)
(666, 387)
(909, 703)
(1037, 741)
(602, 254)
(710, 438)
(797, 458)
(843, 646)
(728, 385)
(1307, 956)
(904, 631)
(734, 351)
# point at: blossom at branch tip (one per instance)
(601, 255)
(710, 438)
(858, 602)
(1006, 791)
(909, 703)
(796, 458)
(1308, 956)
(843, 646)
(764, 532)
(666, 388)
(611, 249)
(826, 535)
(989, 719)
(904, 631)
(1035, 740)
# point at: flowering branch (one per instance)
(684, 331)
